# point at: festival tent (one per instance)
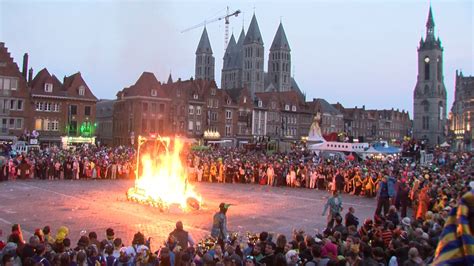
(371, 150)
(387, 150)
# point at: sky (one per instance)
(357, 53)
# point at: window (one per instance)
(11, 124)
(153, 107)
(6, 84)
(293, 108)
(14, 84)
(191, 110)
(213, 92)
(19, 123)
(228, 114)
(153, 125)
(73, 109)
(213, 116)
(228, 130)
(56, 107)
(287, 107)
(439, 69)
(162, 107)
(82, 90)
(12, 104)
(245, 99)
(427, 68)
(38, 124)
(154, 93)
(260, 104)
(198, 110)
(47, 107)
(72, 127)
(4, 125)
(195, 96)
(48, 87)
(55, 125)
(145, 107)
(198, 126)
(39, 106)
(425, 123)
(190, 125)
(19, 105)
(87, 110)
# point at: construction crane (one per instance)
(225, 18)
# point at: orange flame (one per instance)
(164, 179)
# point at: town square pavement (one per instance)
(95, 205)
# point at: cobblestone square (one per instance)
(85, 206)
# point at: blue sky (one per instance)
(353, 52)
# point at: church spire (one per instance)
(204, 46)
(204, 68)
(253, 33)
(430, 25)
(280, 41)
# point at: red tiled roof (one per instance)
(70, 88)
(143, 87)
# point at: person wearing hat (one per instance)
(219, 224)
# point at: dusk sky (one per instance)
(353, 52)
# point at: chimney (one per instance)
(25, 65)
(363, 107)
(30, 75)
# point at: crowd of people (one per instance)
(424, 213)
(386, 240)
(85, 162)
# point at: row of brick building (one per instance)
(42, 106)
(194, 108)
(191, 108)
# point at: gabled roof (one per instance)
(323, 107)
(234, 94)
(43, 77)
(253, 33)
(189, 87)
(204, 46)
(143, 86)
(282, 98)
(279, 41)
(72, 84)
(70, 87)
(10, 68)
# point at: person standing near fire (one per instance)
(219, 224)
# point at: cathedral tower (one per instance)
(253, 58)
(279, 61)
(204, 60)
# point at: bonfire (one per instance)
(161, 177)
